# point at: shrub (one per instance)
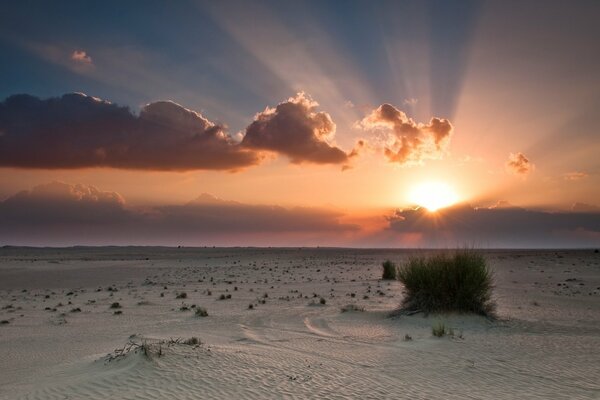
(201, 312)
(323, 301)
(115, 305)
(458, 281)
(193, 341)
(351, 307)
(182, 295)
(439, 329)
(389, 270)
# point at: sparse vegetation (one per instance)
(389, 270)
(201, 312)
(458, 281)
(439, 329)
(322, 301)
(115, 305)
(150, 347)
(182, 295)
(193, 341)
(351, 307)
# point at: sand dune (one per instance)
(289, 345)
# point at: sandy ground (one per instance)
(58, 328)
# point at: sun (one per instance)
(433, 195)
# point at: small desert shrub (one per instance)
(322, 301)
(389, 270)
(351, 307)
(115, 305)
(182, 295)
(201, 312)
(439, 329)
(458, 281)
(193, 341)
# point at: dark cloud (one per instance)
(294, 128)
(408, 142)
(75, 131)
(499, 226)
(585, 208)
(519, 164)
(211, 214)
(64, 214)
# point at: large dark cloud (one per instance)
(408, 142)
(501, 226)
(75, 131)
(64, 214)
(294, 128)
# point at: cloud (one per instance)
(585, 208)
(500, 226)
(55, 205)
(518, 164)
(64, 214)
(408, 142)
(574, 176)
(76, 131)
(295, 129)
(80, 56)
(208, 213)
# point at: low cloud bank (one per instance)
(502, 226)
(64, 214)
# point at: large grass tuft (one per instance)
(459, 281)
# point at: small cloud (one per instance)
(349, 104)
(518, 164)
(574, 176)
(410, 102)
(80, 56)
(407, 141)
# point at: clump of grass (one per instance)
(439, 329)
(193, 341)
(389, 270)
(115, 305)
(450, 282)
(351, 308)
(201, 312)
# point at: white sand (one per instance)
(545, 345)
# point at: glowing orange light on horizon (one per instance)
(433, 195)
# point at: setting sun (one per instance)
(433, 195)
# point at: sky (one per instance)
(308, 123)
